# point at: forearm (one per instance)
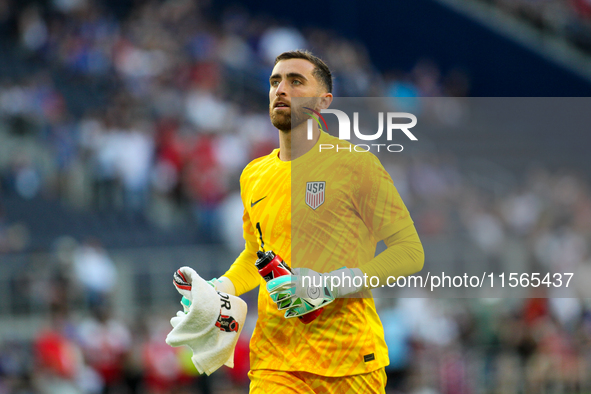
(404, 256)
(243, 273)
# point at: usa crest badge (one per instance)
(315, 192)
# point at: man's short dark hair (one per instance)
(321, 71)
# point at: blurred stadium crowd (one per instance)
(181, 109)
(528, 345)
(570, 19)
(185, 106)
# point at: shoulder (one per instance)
(354, 157)
(258, 165)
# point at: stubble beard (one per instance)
(280, 121)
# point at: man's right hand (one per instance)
(182, 280)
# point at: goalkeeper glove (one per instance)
(307, 290)
(183, 285)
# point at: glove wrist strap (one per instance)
(345, 281)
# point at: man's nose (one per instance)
(281, 89)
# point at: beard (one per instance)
(295, 117)
(280, 121)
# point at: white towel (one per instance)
(211, 327)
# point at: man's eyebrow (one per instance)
(296, 75)
(289, 75)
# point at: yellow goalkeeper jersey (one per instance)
(323, 211)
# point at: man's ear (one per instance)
(325, 100)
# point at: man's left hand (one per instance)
(307, 290)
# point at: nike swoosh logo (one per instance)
(252, 204)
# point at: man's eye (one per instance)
(274, 83)
(296, 82)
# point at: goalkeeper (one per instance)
(324, 214)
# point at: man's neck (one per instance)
(294, 143)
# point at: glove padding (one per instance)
(182, 282)
(307, 290)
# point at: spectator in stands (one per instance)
(95, 272)
(105, 343)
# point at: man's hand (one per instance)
(307, 290)
(182, 282)
(287, 293)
